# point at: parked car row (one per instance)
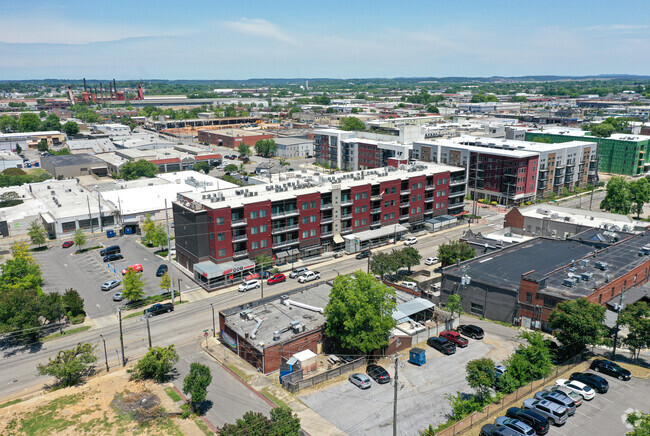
(555, 404)
(374, 372)
(448, 340)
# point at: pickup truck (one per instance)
(159, 308)
(309, 276)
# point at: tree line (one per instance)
(625, 196)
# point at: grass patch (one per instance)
(239, 372)
(131, 315)
(47, 419)
(85, 250)
(278, 402)
(203, 427)
(66, 333)
(78, 319)
(10, 403)
(173, 394)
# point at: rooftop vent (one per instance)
(569, 282)
(601, 265)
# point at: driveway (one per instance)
(230, 398)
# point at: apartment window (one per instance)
(312, 219)
(385, 216)
(254, 215)
(392, 202)
(364, 195)
(413, 198)
(254, 230)
(221, 237)
(305, 219)
(211, 237)
(364, 208)
(263, 243)
(255, 245)
(357, 196)
(210, 219)
(386, 203)
(418, 209)
(305, 234)
(392, 215)
(357, 209)
(220, 220)
(263, 228)
(312, 204)
(305, 206)
(222, 252)
(262, 213)
(364, 222)
(356, 223)
(393, 190)
(212, 252)
(529, 297)
(312, 232)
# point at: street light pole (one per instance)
(618, 314)
(105, 353)
(119, 314)
(169, 254)
(214, 328)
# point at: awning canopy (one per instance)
(281, 254)
(382, 232)
(338, 238)
(411, 307)
(210, 270)
(293, 252)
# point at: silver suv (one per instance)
(556, 414)
(559, 398)
(577, 398)
(298, 272)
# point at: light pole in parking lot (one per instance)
(105, 353)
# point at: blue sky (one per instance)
(216, 39)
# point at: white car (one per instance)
(172, 251)
(410, 285)
(411, 241)
(248, 285)
(309, 276)
(431, 261)
(578, 387)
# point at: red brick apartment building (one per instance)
(231, 138)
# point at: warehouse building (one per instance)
(232, 138)
(74, 165)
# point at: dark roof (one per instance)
(478, 242)
(600, 237)
(72, 159)
(504, 268)
(631, 296)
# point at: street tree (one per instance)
(71, 128)
(449, 253)
(409, 257)
(196, 384)
(156, 364)
(19, 313)
(37, 233)
(578, 321)
(263, 262)
(640, 423)
(383, 264)
(133, 286)
(637, 319)
(79, 239)
(21, 272)
(359, 312)
(28, 122)
(165, 281)
(618, 198)
(148, 227)
(639, 194)
(158, 237)
(202, 166)
(283, 422)
(481, 376)
(265, 147)
(72, 302)
(70, 366)
(454, 305)
(352, 123)
(244, 150)
(230, 168)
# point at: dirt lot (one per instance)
(103, 406)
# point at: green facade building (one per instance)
(623, 154)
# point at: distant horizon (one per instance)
(198, 40)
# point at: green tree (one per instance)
(8, 124)
(282, 423)
(578, 321)
(641, 423)
(196, 384)
(10, 198)
(19, 312)
(140, 168)
(618, 198)
(602, 130)
(42, 145)
(244, 150)
(454, 250)
(639, 194)
(72, 303)
(537, 354)
(265, 147)
(71, 128)
(481, 376)
(637, 318)
(165, 281)
(51, 306)
(156, 364)
(21, 272)
(37, 233)
(352, 123)
(542, 140)
(28, 122)
(157, 237)
(263, 262)
(79, 239)
(383, 264)
(454, 305)
(202, 166)
(148, 227)
(359, 312)
(53, 122)
(409, 257)
(133, 286)
(230, 168)
(519, 99)
(69, 367)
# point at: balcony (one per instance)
(457, 193)
(376, 197)
(558, 181)
(346, 201)
(542, 177)
(285, 243)
(347, 216)
(285, 228)
(240, 253)
(346, 230)
(404, 204)
(327, 219)
(326, 206)
(430, 187)
(286, 213)
(239, 237)
(405, 192)
(454, 182)
(326, 233)
(429, 199)
(239, 222)
(404, 217)
(376, 210)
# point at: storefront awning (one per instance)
(293, 252)
(383, 232)
(210, 270)
(281, 254)
(338, 239)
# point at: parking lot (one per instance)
(421, 398)
(62, 269)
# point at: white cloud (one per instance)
(618, 28)
(260, 28)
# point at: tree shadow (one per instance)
(12, 347)
(202, 409)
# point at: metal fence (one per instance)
(477, 419)
(295, 386)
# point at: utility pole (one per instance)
(119, 314)
(90, 216)
(99, 205)
(618, 314)
(368, 268)
(214, 327)
(105, 353)
(148, 331)
(395, 396)
(169, 255)
(180, 294)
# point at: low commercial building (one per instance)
(294, 147)
(74, 165)
(91, 146)
(232, 138)
(10, 160)
(25, 140)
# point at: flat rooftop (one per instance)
(579, 132)
(276, 316)
(579, 216)
(511, 144)
(236, 132)
(72, 199)
(478, 149)
(72, 159)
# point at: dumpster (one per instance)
(417, 356)
(110, 233)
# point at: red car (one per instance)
(67, 244)
(278, 278)
(455, 338)
(135, 267)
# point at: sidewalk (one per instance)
(310, 421)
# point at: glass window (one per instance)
(254, 215)
(220, 220)
(312, 204)
(357, 196)
(262, 213)
(263, 243)
(255, 245)
(222, 252)
(305, 219)
(393, 190)
(386, 203)
(253, 230)
(364, 195)
(263, 228)
(313, 232)
(392, 215)
(212, 252)
(210, 219)
(211, 237)
(305, 205)
(312, 219)
(305, 234)
(364, 208)
(221, 237)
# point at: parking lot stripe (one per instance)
(595, 407)
(602, 397)
(577, 411)
(617, 392)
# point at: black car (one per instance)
(364, 254)
(378, 374)
(470, 330)
(162, 269)
(598, 383)
(497, 430)
(158, 308)
(611, 368)
(534, 419)
(442, 345)
(113, 257)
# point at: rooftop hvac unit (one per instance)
(585, 262)
(294, 323)
(244, 314)
(276, 335)
(601, 265)
(298, 328)
(586, 276)
(569, 282)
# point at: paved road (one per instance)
(228, 399)
(584, 201)
(184, 325)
